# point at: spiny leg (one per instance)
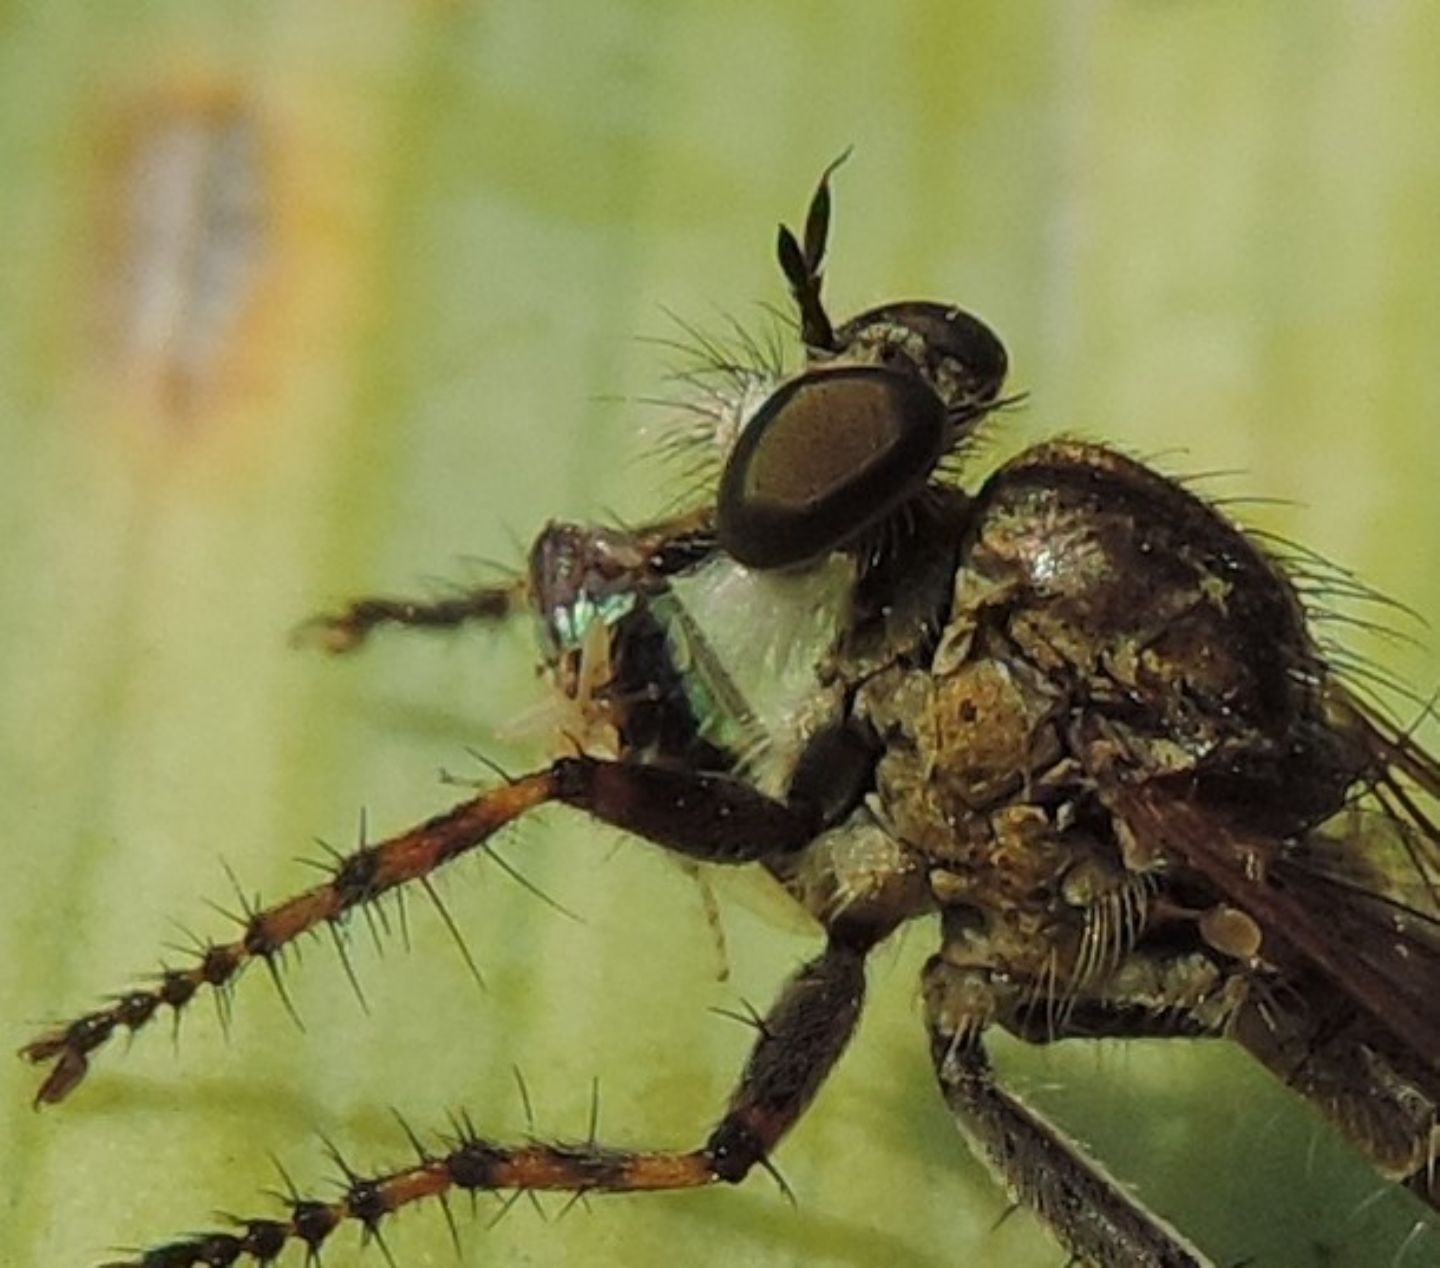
(1090, 1213)
(713, 818)
(1312, 1038)
(347, 628)
(1383, 1098)
(800, 1040)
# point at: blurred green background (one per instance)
(320, 298)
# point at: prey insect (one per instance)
(1070, 711)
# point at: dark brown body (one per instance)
(1077, 713)
(1105, 627)
(1107, 631)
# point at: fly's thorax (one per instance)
(973, 784)
(958, 747)
(1186, 644)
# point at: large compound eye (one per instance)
(956, 353)
(828, 455)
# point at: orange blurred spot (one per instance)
(189, 218)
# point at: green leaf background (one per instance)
(1208, 232)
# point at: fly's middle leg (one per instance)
(799, 1042)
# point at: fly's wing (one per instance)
(1352, 904)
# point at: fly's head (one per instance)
(842, 456)
(822, 507)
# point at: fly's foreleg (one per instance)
(800, 1039)
(711, 818)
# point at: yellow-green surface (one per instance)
(1207, 231)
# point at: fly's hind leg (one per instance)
(1090, 1213)
(800, 1039)
(1383, 1098)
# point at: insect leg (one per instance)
(1384, 1099)
(800, 1039)
(713, 818)
(348, 627)
(1153, 992)
(1091, 1214)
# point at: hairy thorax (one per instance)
(1104, 626)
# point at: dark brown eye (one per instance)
(955, 352)
(830, 453)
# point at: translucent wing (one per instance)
(1324, 906)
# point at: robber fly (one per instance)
(1071, 710)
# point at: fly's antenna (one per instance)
(803, 266)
